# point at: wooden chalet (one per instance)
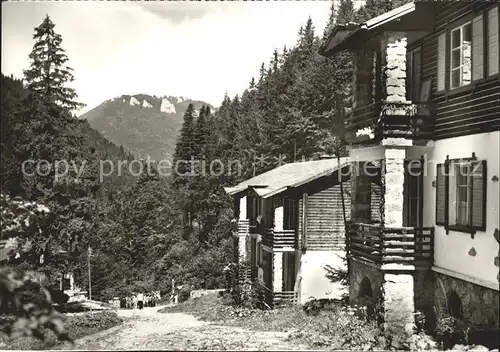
(290, 224)
(424, 134)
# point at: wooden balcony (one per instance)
(412, 246)
(372, 122)
(243, 227)
(279, 239)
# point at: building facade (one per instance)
(290, 229)
(425, 134)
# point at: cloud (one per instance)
(176, 12)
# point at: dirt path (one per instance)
(177, 331)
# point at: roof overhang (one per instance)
(412, 17)
(267, 191)
(238, 189)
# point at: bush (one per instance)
(449, 331)
(184, 293)
(75, 326)
(59, 297)
(83, 324)
(247, 295)
(314, 306)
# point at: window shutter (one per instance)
(440, 195)
(493, 62)
(477, 48)
(479, 195)
(441, 63)
(304, 221)
(375, 202)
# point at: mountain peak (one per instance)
(144, 124)
(167, 106)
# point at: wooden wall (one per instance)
(470, 111)
(325, 222)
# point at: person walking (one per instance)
(134, 301)
(140, 300)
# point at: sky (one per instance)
(199, 50)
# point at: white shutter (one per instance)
(441, 63)
(477, 48)
(493, 41)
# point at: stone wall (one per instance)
(480, 305)
(200, 293)
(277, 271)
(360, 271)
(394, 61)
(399, 305)
(423, 291)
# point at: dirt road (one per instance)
(149, 329)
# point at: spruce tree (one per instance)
(184, 147)
(48, 74)
(201, 133)
(46, 131)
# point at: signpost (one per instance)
(90, 280)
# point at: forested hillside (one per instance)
(147, 230)
(145, 125)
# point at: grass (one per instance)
(77, 326)
(334, 327)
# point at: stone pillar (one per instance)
(394, 185)
(399, 306)
(398, 288)
(243, 208)
(243, 235)
(71, 282)
(278, 271)
(394, 62)
(278, 218)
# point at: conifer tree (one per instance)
(48, 74)
(201, 133)
(46, 131)
(184, 147)
(331, 21)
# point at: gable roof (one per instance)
(345, 36)
(288, 176)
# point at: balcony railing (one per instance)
(379, 120)
(284, 298)
(252, 272)
(384, 245)
(279, 239)
(275, 299)
(243, 227)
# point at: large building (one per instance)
(425, 133)
(291, 228)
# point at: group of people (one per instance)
(141, 300)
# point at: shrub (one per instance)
(449, 331)
(184, 293)
(76, 326)
(314, 306)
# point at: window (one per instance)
(415, 77)
(253, 252)
(364, 78)
(290, 215)
(492, 22)
(461, 195)
(468, 51)
(461, 56)
(259, 254)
